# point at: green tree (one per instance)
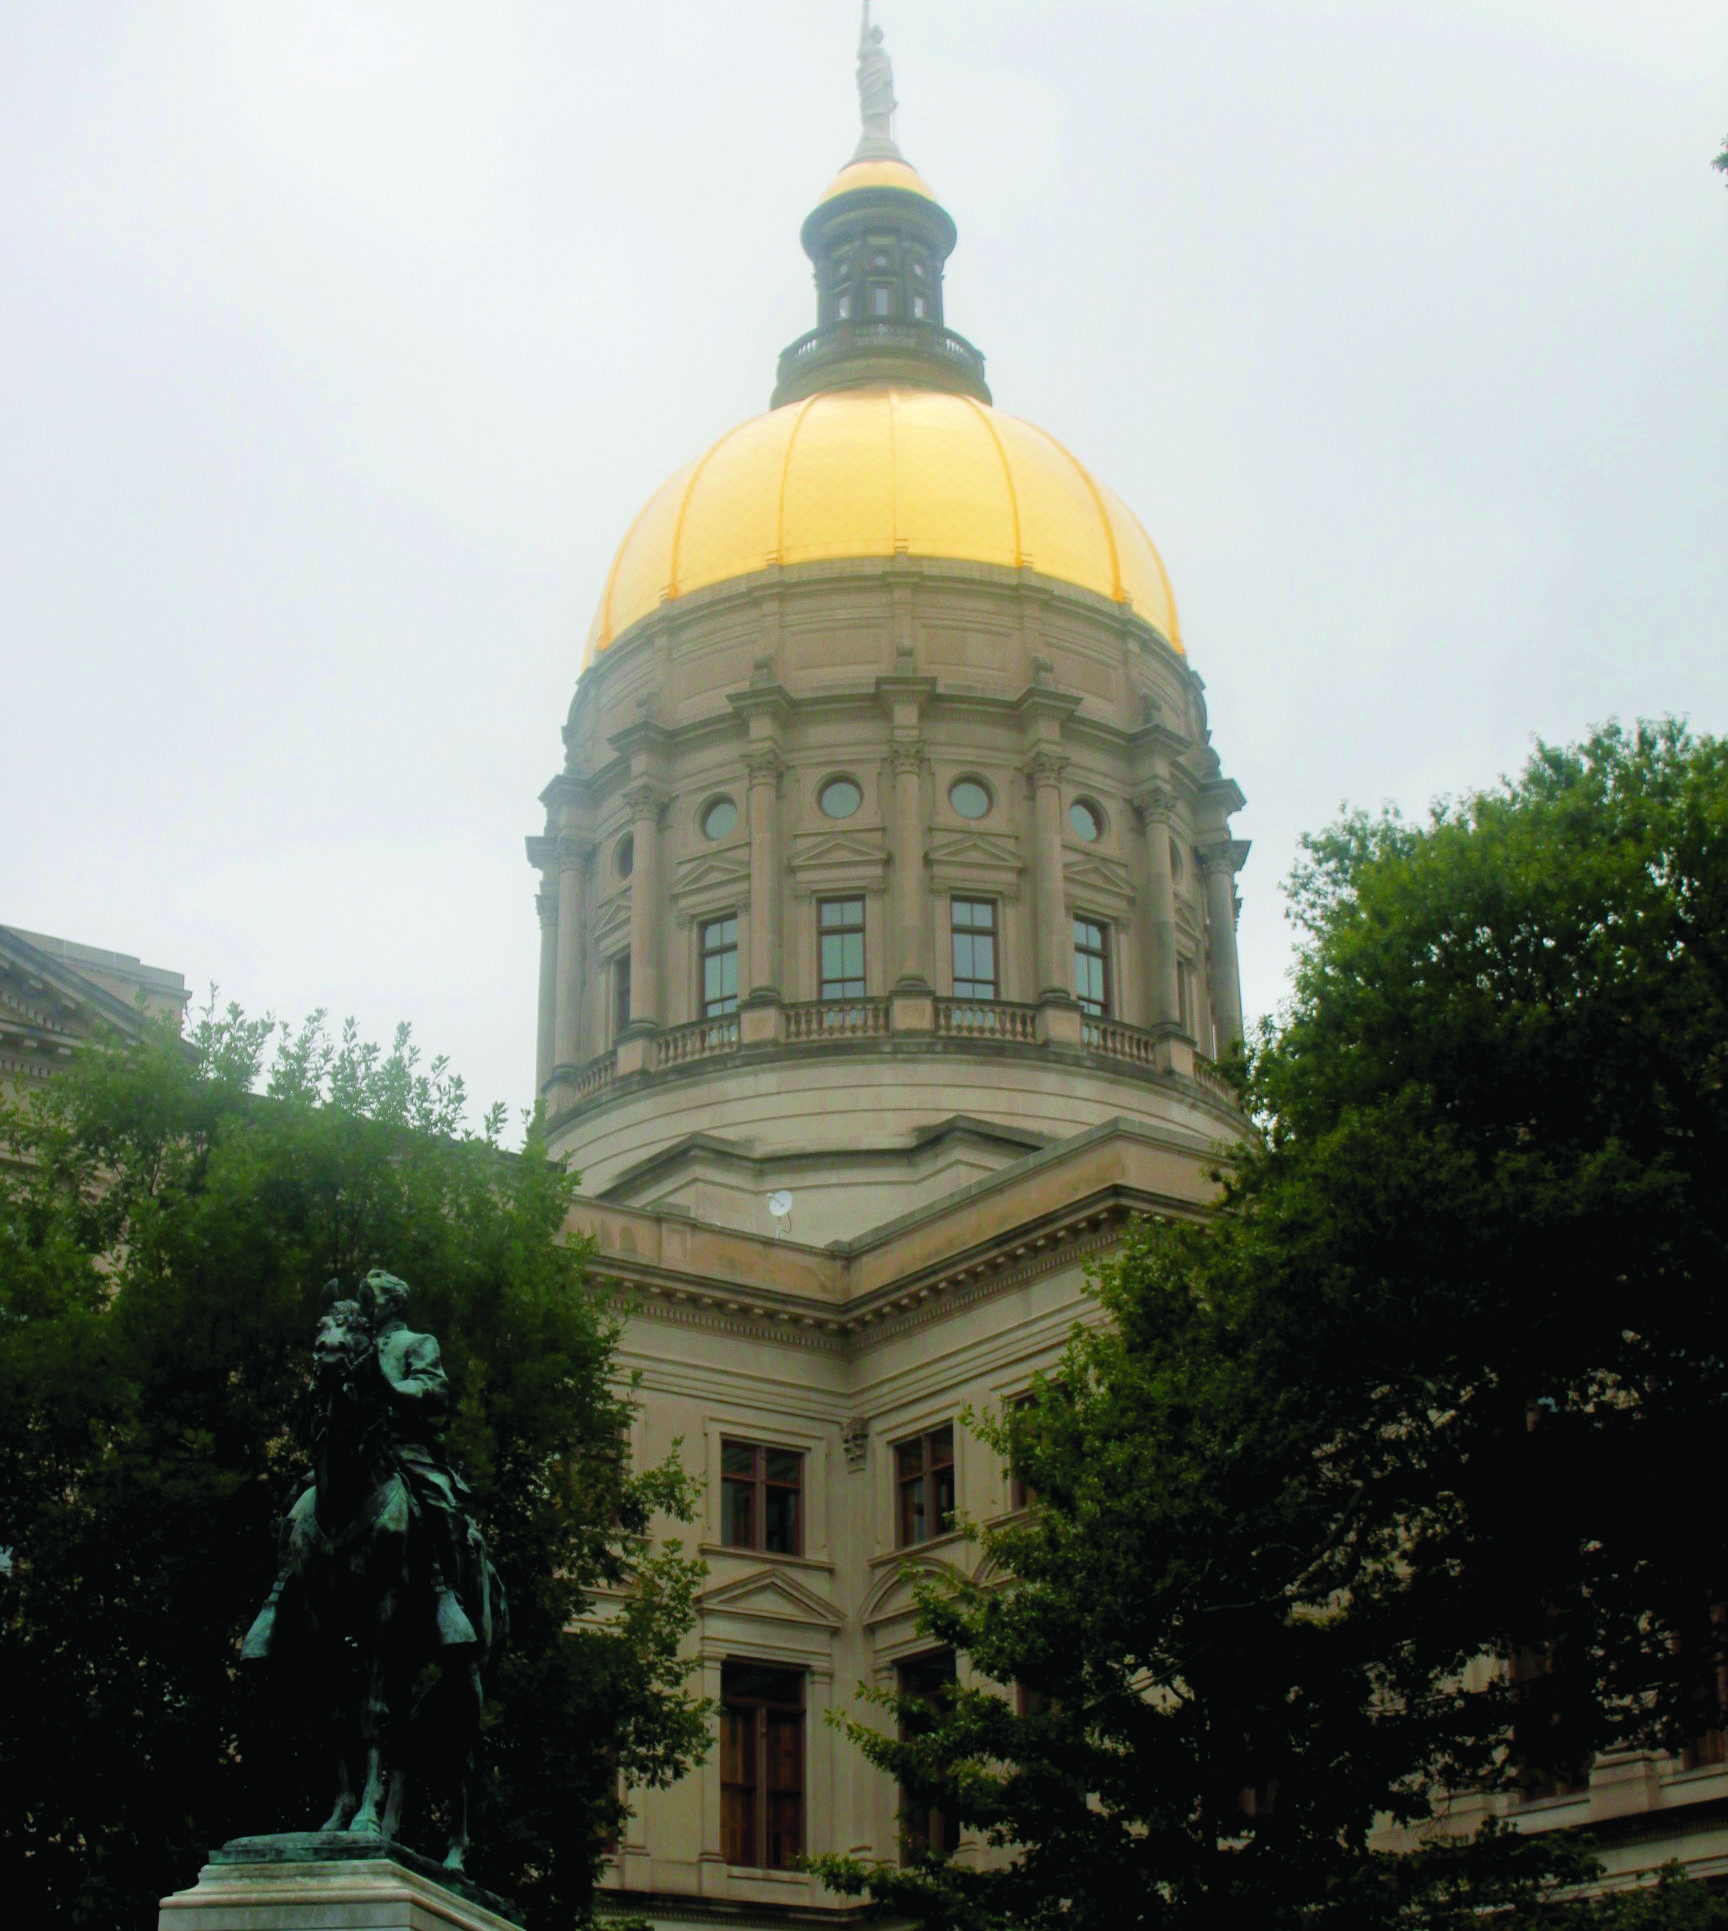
(1432, 1385)
(164, 1233)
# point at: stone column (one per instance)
(1219, 862)
(912, 966)
(763, 765)
(567, 1007)
(1157, 815)
(644, 802)
(1049, 900)
(546, 904)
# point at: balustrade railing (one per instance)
(987, 1019)
(1209, 1075)
(594, 1078)
(816, 1022)
(821, 1019)
(696, 1041)
(1119, 1040)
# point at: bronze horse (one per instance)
(370, 1590)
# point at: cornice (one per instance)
(926, 1295)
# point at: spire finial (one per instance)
(876, 101)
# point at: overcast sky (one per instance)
(339, 344)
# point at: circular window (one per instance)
(970, 797)
(624, 856)
(720, 820)
(1087, 820)
(839, 798)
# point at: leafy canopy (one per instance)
(1427, 1389)
(164, 1234)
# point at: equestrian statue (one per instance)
(383, 1572)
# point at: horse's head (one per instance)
(341, 1343)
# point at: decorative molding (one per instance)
(1045, 767)
(855, 1440)
(771, 1593)
(908, 754)
(915, 1302)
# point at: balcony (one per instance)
(879, 351)
(896, 1025)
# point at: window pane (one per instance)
(842, 911)
(912, 1527)
(761, 1683)
(942, 1445)
(783, 1465)
(909, 1459)
(737, 1458)
(738, 1514)
(943, 1509)
(780, 1521)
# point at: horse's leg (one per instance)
(346, 1798)
(374, 1724)
(465, 1727)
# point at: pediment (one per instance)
(975, 848)
(615, 913)
(893, 1595)
(1103, 877)
(837, 848)
(775, 1594)
(713, 871)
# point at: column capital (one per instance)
(645, 800)
(1156, 804)
(907, 754)
(1045, 767)
(574, 852)
(763, 764)
(546, 904)
(1226, 855)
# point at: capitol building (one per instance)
(887, 952)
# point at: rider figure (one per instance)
(404, 1371)
(417, 1403)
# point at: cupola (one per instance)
(878, 241)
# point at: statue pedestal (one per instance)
(330, 1881)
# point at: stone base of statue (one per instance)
(331, 1880)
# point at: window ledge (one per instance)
(764, 1555)
(911, 1550)
(764, 1874)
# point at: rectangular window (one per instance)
(761, 1765)
(881, 299)
(761, 1498)
(620, 993)
(1185, 996)
(1021, 1493)
(924, 1827)
(1548, 1763)
(924, 1477)
(719, 965)
(920, 308)
(840, 932)
(972, 926)
(843, 306)
(1092, 966)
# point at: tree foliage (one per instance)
(1431, 1387)
(164, 1233)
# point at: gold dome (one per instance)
(881, 471)
(876, 174)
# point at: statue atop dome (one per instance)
(876, 101)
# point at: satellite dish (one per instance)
(780, 1204)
